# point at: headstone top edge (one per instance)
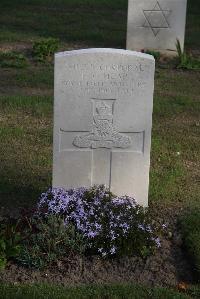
(106, 51)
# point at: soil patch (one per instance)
(167, 267)
(15, 46)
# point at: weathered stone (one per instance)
(102, 120)
(156, 24)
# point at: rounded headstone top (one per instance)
(106, 51)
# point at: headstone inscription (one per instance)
(102, 120)
(156, 24)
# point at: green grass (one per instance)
(26, 149)
(190, 228)
(25, 167)
(87, 292)
(175, 147)
(36, 105)
(69, 20)
(96, 22)
(12, 59)
(26, 120)
(26, 100)
(28, 80)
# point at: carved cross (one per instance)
(102, 141)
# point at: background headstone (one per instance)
(102, 120)
(156, 24)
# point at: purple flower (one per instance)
(113, 250)
(91, 234)
(141, 226)
(149, 229)
(102, 218)
(157, 242)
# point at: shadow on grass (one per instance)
(21, 188)
(102, 22)
(99, 22)
(14, 197)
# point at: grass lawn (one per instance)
(26, 99)
(26, 116)
(92, 291)
(102, 22)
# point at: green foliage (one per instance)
(85, 21)
(10, 240)
(190, 227)
(49, 240)
(112, 226)
(35, 105)
(155, 54)
(12, 60)
(111, 291)
(194, 291)
(89, 222)
(186, 61)
(44, 49)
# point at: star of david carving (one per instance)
(157, 18)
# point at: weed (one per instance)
(10, 240)
(44, 49)
(186, 61)
(49, 240)
(12, 60)
(155, 54)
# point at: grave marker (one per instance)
(156, 24)
(102, 120)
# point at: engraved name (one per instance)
(113, 67)
(123, 79)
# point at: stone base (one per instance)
(168, 53)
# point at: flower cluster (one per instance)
(110, 225)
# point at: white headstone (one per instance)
(156, 24)
(102, 120)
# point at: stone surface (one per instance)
(102, 120)
(156, 24)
